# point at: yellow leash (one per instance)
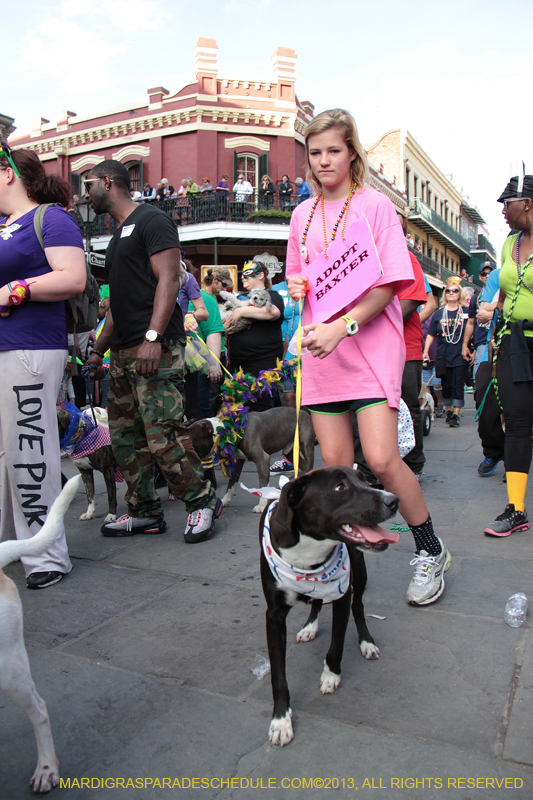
(296, 445)
(210, 351)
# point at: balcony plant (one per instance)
(270, 215)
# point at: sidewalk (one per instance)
(143, 656)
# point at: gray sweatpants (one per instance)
(30, 470)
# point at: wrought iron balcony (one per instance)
(428, 219)
(432, 267)
(484, 246)
(207, 207)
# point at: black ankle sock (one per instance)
(425, 538)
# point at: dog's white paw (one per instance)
(260, 507)
(227, 499)
(369, 650)
(280, 731)
(45, 777)
(110, 518)
(308, 632)
(89, 514)
(329, 681)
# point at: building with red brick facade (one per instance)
(216, 125)
(207, 128)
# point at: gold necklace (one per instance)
(344, 213)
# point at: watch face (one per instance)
(151, 336)
(353, 327)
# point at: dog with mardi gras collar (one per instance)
(313, 541)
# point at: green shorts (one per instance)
(343, 406)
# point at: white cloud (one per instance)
(52, 52)
(124, 15)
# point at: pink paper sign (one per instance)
(351, 268)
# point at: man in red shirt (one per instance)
(410, 299)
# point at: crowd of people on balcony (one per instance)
(289, 194)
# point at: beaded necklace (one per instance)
(449, 338)
(344, 213)
(526, 265)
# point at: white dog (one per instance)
(256, 297)
(15, 675)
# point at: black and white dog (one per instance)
(312, 544)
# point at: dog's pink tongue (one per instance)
(375, 534)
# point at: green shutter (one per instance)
(263, 167)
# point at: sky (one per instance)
(453, 73)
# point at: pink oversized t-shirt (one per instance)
(369, 364)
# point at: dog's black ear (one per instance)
(282, 521)
(298, 489)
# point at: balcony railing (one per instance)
(419, 209)
(484, 244)
(207, 207)
(432, 267)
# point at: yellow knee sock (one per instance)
(516, 489)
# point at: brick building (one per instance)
(233, 124)
(212, 126)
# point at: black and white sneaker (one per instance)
(129, 526)
(455, 422)
(201, 523)
(40, 580)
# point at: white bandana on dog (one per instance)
(328, 583)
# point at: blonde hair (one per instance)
(344, 123)
(462, 297)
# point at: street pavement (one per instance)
(144, 653)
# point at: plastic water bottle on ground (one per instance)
(516, 610)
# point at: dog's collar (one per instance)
(328, 582)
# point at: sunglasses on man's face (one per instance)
(512, 200)
(88, 181)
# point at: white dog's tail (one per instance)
(14, 549)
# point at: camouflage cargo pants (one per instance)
(144, 423)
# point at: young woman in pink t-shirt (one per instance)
(358, 367)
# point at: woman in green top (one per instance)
(514, 351)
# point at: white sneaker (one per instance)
(427, 583)
(201, 523)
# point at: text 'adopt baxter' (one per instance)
(351, 269)
(343, 273)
